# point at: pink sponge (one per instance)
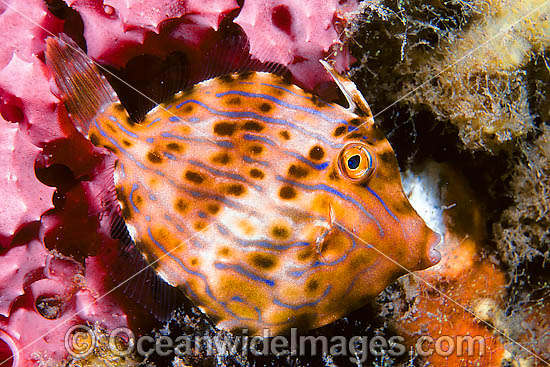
(24, 26)
(117, 30)
(24, 198)
(295, 33)
(46, 296)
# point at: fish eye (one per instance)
(356, 162)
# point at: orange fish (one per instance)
(264, 205)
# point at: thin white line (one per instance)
(70, 318)
(510, 27)
(444, 295)
(109, 72)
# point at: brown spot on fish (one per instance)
(298, 171)
(111, 148)
(339, 130)
(256, 149)
(316, 153)
(126, 213)
(387, 157)
(252, 125)
(123, 198)
(304, 321)
(221, 158)
(126, 143)
(194, 261)
(355, 122)
(194, 177)
(188, 108)
(94, 139)
(285, 81)
(228, 78)
(246, 75)
(138, 200)
(174, 147)
(224, 251)
(225, 128)
(401, 207)
(263, 261)
(111, 127)
(376, 134)
(280, 232)
(188, 91)
(213, 208)
(285, 135)
(199, 226)
(181, 205)
(265, 107)
(287, 192)
(276, 91)
(234, 189)
(234, 101)
(333, 175)
(316, 101)
(256, 173)
(312, 285)
(118, 107)
(305, 254)
(355, 136)
(154, 157)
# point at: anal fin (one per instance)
(138, 280)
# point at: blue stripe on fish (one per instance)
(269, 120)
(383, 203)
(263, 139)
(333, 191)
(112, 141)
(293, 93)
(134, 188)
(316, 264)
(308, 304)
(181, 264)
(301, 158)
(220, 173)
(154, 121)
(282, 103)
(222, 143)
(247, 159)
(262, 244)
(239, 269)
(126, 131)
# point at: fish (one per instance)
(267, 207)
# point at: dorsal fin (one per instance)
(228, 52)
(85, 90)
(356, 101)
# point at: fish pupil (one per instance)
(353, 161)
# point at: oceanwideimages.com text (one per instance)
(81, 340)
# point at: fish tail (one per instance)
(85, 90)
